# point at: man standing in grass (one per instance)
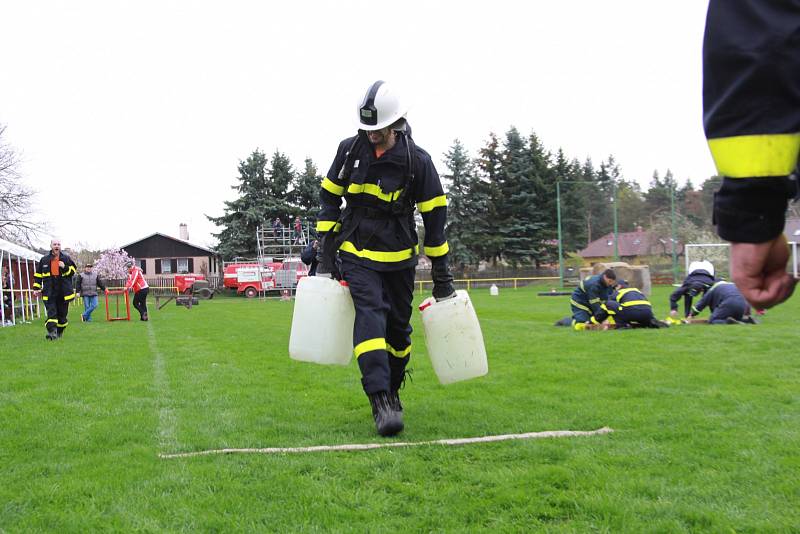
(53, 280)
(140, 288)
(88, 282)
(383, 176)
(588, 298)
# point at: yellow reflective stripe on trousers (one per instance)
(429, 205)
(62, 325)
(51, 321)
(635, 303)
(330, 187)
(377, 255)
(377, 343)
(374, 190)
(399, 353)
(435, 252)
(580, 306)
(325, 226)
(746, 156)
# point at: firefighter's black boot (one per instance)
(398, 382)
(388, 421)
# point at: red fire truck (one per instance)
(250, 278)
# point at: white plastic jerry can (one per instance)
(322, 323)
(493, 291)
(454, 339)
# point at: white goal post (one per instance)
(719, 254)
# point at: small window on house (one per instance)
(166, 266)
(609, 242)
(143, 266)
(183, 265)
(637, 241)
(797, 232)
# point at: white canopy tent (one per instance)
(18, 303)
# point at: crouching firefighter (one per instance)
(372, 243)
(726, 303)
(53, 280)
(588, 297)
(629, 308)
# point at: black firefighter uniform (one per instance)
(57, 290)
(378, 246)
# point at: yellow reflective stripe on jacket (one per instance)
(330, 187)
(435, 202)
(325, 226)
(579, 306)
(435, 252)
(377, 343)
(39, 275)
(622, 292)
(594, 321)
(399, 353)
(605, 309)
(70, 297)
(381, 256)
(746, 156)
(635, 303)
(374, 190)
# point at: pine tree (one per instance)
(487, 189)
(262, 197)
(463, 209)
(304, 196)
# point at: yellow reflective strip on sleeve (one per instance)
(435, 202)
(377, 343)
(579, 306)
(44, 298)
(435, 252)
(695, 310)
(749, 156)
(374, 190)
(622, 292)
(611, 320)
(325, 226)
(37, 285)
(45, 275)
(330, 187)
(594, 321)
(70, 271)
(70, 297)
(636, 303)
(380, 256)
(592, 301)
(399, 353)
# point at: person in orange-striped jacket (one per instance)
(138, 284)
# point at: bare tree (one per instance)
(17, 221)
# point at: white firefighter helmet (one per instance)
(704, 265)
(380, 107)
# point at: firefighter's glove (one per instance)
(326, 262)
(442, 280)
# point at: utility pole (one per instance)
(674, 239)
(616, 232)
(560, 245)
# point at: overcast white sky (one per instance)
(131, 116)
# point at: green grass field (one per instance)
(706, 426)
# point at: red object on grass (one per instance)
(117, 316)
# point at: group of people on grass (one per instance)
(56, 279)
(603, 301)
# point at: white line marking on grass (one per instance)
(167, 433)
(370, 446)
